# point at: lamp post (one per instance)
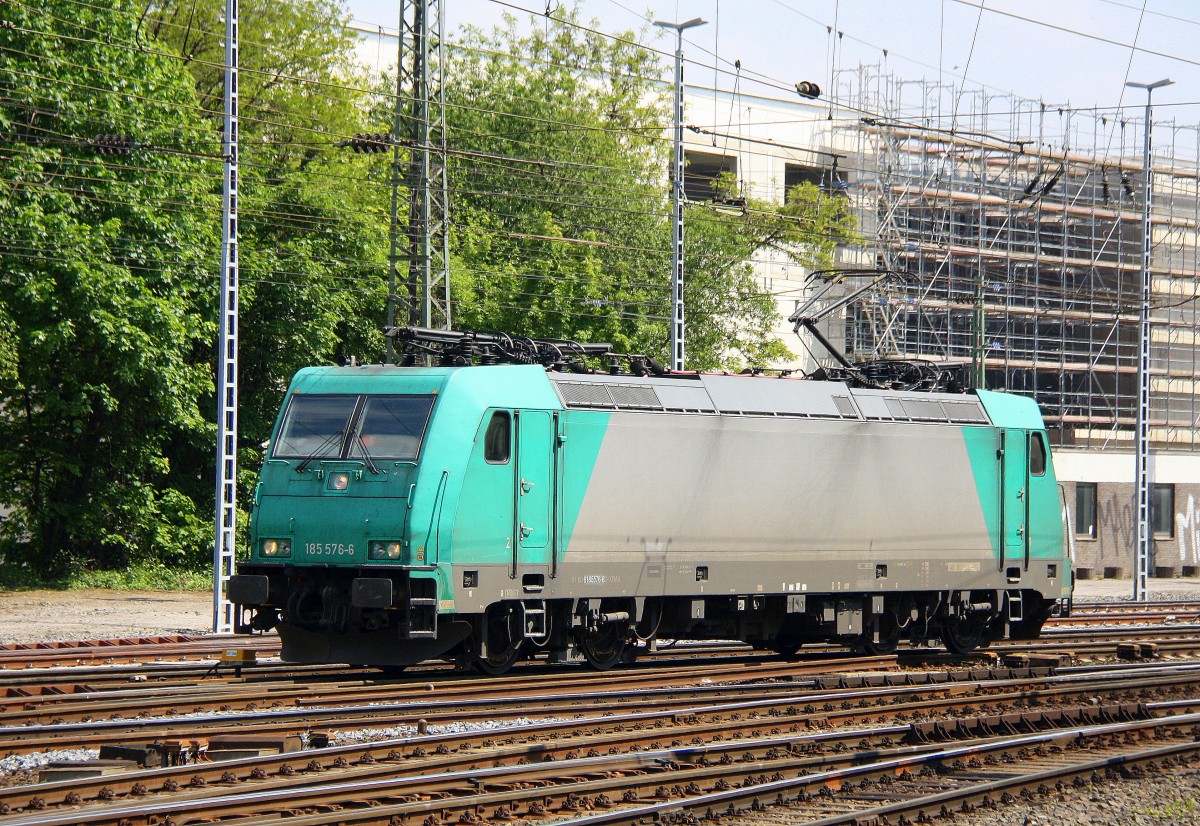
(677, 196)
(1142, 435)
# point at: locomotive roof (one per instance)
(764, 396)
(744, 395)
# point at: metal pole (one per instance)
(421, 66)
(394, 253)
(1142, 440)
(677, 198)
(227, 339)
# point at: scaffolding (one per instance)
(1020, 223)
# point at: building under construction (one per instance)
(1014, 228)
(1022, 232)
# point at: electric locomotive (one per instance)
(483, 511)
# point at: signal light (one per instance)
(112, 144)
(808, 90)
(369, 142)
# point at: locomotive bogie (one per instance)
(486, 514)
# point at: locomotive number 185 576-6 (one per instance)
(328, 549)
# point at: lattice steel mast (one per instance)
(420, 123)
(227, 341)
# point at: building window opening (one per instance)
(1085, 510)
(701, 173)
(1162, 511)
(828, 179)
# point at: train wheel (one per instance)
(505, 642)
(963, 635)
(604, 647)
(889, 641)
(499, 663)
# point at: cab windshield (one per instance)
(349, 427)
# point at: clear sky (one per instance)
(1077, 52)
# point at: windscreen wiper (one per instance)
(333, 439)
(366, 454)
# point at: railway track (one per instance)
(128, 650)
(745, 754)
(824, 740)
(37, 701)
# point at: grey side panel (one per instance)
(814, 505)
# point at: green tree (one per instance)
(558, 214)
(720, 245)
(562, 210)
(107, 248)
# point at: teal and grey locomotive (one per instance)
(484, 512)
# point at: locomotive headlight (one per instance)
(385, 550)
(339, 481)
(276, 547)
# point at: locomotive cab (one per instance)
(337, 559)
(353, 525)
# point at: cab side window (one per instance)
(497, 440)
(1037, 455)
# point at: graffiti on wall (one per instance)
(1121, 518)
(1187, 531)
(1118, 527)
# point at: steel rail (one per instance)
(714, 762)
(778, 791)
(75, 701)
(24, 739)
(806, 711)
(569, 786)
(20, 655)
(883, 688)
(146, 697)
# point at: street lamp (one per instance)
(1141, 437)
(677, 196)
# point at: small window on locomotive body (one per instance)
(1037, 455)
(497, 440)
(392, 427)
(314, 426)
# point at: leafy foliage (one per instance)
(313, 216)
(558, 219)
(107, 269)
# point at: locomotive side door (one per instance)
(1015, 497)
(534, 488)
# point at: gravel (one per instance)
(1153, 801)
(55, 616)
(21, 769)
(396, 732)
